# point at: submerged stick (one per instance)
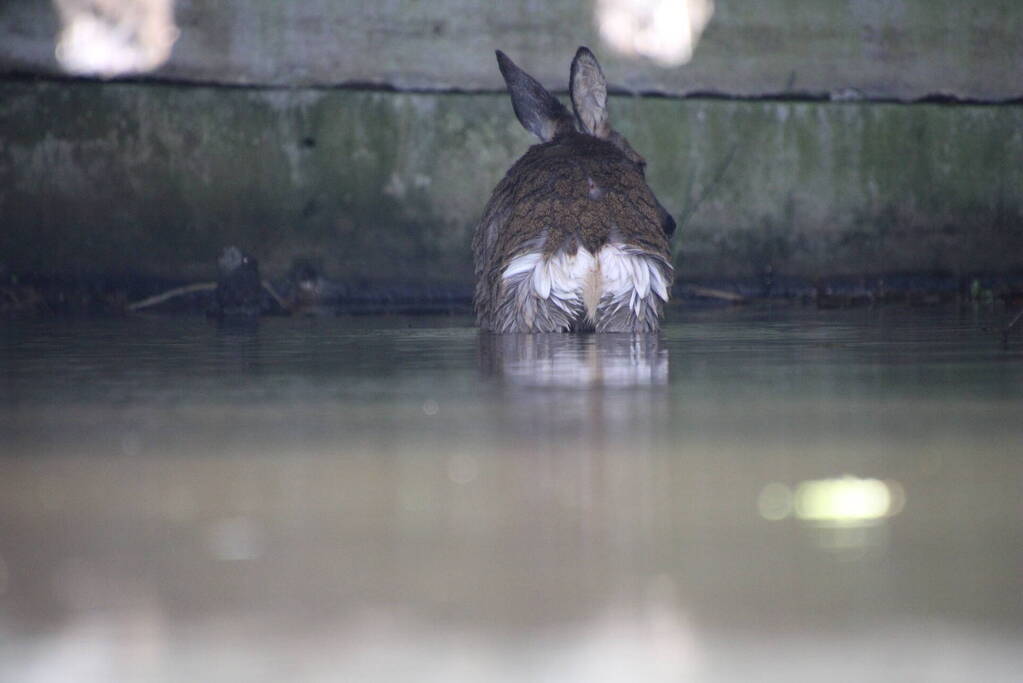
(199, 287)
(1008, 329)
(710, 293)
(269, 289)
(170, 294)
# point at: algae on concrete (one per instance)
(378, 186)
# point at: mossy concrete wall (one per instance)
(901, 49)
(156, 176)
(115, 177)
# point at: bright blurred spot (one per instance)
(462, 469)
(775, 502)
(235, 539)
(665, 31)
(847, 501)
(112, 37)
(654, 643)
(897, 495)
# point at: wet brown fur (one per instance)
(548, 196)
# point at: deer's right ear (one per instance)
(538, 111)
(589, 94)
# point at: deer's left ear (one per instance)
(589, 94)
(538, 111)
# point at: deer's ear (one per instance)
(589, 94)
(538, 111)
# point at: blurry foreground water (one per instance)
(751, 496)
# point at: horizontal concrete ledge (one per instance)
(792, 97)
(841, 49)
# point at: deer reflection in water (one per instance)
(568, 360)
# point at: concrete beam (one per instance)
(888, 49)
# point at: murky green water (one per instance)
(753, 495)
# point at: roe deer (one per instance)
(572, 237)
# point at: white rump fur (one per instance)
(617, 276)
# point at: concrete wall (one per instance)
(117, 177)
(155, 176)
(901, 49)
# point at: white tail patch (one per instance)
(630, 276)
(617, 275)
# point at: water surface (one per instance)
(750, 495)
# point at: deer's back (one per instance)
(577, 191)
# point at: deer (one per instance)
(572, 238)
